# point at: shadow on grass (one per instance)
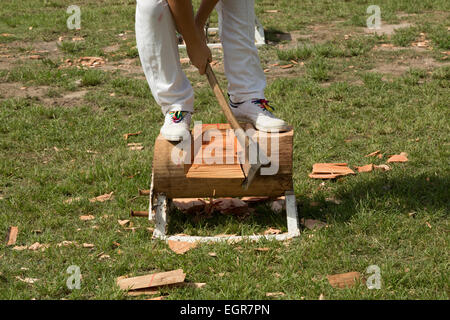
(274, 35)
(401, 194)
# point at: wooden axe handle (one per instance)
(220, 97)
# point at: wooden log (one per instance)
(343, 280)
(11, 236)
(151, 280)
(220, 180)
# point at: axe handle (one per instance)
(243, 139)
(220, 97)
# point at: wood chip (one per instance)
(123, 222)
(272, 231)
(262, 249)
(157, 298)
(383, 167)
(127, 135)
(189, 205)
(287, 66)
(11, 236)
(366, 168)
(152, 280)
(27, 280)
(373, 154)
(344, 280)
(185, 60)
(88, 245)
(20, 248)
(181, 247)
(102, 198)
(35, 57)
(36, 246)
(275, 294)
(135, 146)
(212, 254)
(87, 218)
(272, 11)
(330, 170)
(402, 157)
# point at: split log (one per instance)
(206, 179)
(152, 280)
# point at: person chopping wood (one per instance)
(156, 24)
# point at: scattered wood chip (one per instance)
(102, 198)
(185, 60)
(366, 168)
(35, 57)
(383, 167)
(330, 170)
(373, 154)
(27, 280)
(77, 39)
(272, 231)
(189, 205)
(428, 224)
(104, 256)
(312, 224)
(157, 298)
(135, 146)
(123, 222)
(87, 217)
(88, 245)
(287, 66)
(36, 246)
(152, 280)
(20, 248)
(344, 280)
(212, 254)
(262, 249)
(67, 243)
(181, 247)
(254, 199)
(402, 157)
(230, 206)
(275, 294)
(321, 297)
(91, 62)
(127, 135)
(11, 236)
(272, 11)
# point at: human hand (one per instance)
(199, 53)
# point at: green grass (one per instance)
(341, 109)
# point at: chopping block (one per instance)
(208, 165)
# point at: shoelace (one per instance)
(263, 104)
(177, 116)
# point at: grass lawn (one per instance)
(348, 93)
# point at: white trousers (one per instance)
(158, 51)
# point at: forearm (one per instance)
(183, 14)
(205, 9)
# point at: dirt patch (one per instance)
(399, 67)
(388, 29)
(40, 93)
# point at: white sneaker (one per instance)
(258, 112)
(176, 125)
